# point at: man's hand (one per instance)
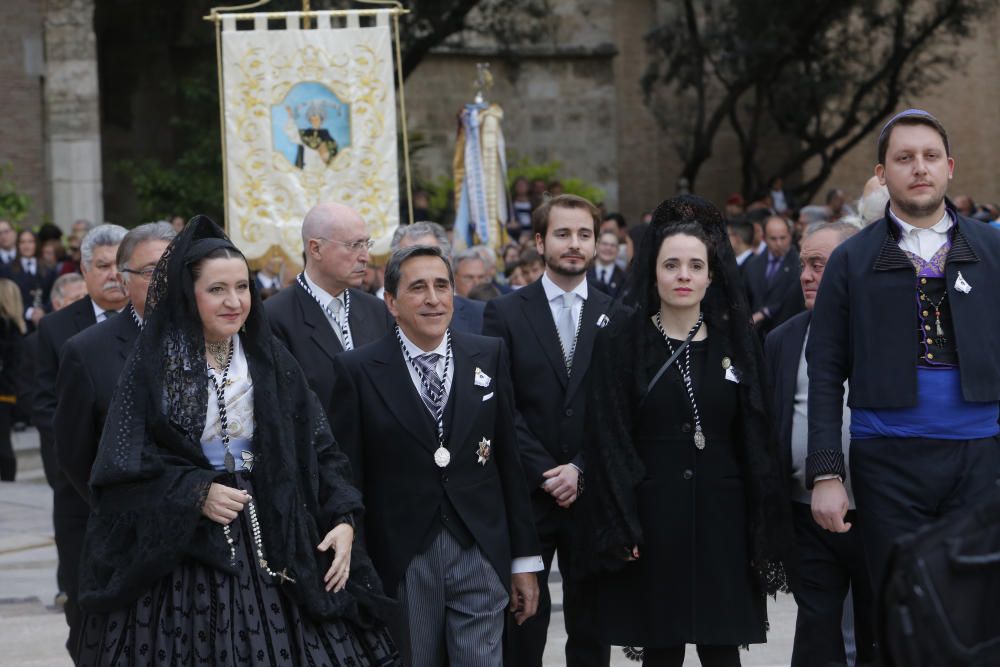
(757, 317)
(830, 505)
(341, 539)
(224, 503)
(561, 483)
(523, 596)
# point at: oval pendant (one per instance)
(699, 440)
(442, 457)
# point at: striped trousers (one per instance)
(453, 605)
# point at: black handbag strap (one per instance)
(666, 365)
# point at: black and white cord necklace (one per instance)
(699, 435)
(135, 316)
(568, 359)
(442, 457)
(342, 322)
(220, 395)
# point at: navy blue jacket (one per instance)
(866, 329)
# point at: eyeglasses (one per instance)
(353, 246)
(146, 273)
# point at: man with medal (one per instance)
(425, 415)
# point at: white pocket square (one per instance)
(487, 396)
(733, 375)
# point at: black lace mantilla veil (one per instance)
(611, 520)
(150, 477)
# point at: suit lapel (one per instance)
(313, 316)
(360, 322)
(126, 336)
(392, 381)
(464, 408)
(539, 316)
(595, 306)
(793, 353)
(84, 317)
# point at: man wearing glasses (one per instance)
(88, 370)
(325, 311)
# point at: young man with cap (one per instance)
(907, 313)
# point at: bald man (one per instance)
(325, 311)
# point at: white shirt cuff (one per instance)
(527, 564)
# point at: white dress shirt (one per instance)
(605, 272)
(744, 256)
(517, 565)
(29, 265)
(99, 313)
(337, 308)
(554, 295)
(7, 256)
(923, 242)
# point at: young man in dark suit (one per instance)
(105, 298)
(772, 277)
(907, 314)
(325, 311)
(830, 564)
(549, 327)
(425, 416)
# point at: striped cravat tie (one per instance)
(432, 388)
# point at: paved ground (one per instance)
(33, 632)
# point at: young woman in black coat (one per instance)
(686, 524)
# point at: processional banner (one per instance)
(310, 117)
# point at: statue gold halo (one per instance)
(306, 15)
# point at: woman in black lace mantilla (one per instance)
(223, 526)
(685, 522)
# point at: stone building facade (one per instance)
(574, 96)
(570, 93)
(50, 132)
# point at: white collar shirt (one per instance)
(923, 242)
(442, 350)
(744, 256)
(29, 265)
(99, 313)
(7, 256)
(554, 295)
(331, 304)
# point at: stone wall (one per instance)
(72, 112)
(21, 130)
(574, 96)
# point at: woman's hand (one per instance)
(224, 503)
(341, 539)
(631, 554)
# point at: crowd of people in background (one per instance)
(572, 263)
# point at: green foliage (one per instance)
(550, 171)
(191, 183)
(14, 205)
(442, 199)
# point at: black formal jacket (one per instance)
(613, 288)
(300, 323)
(53, 331)
(782, 295)
(782, 352)
(467, 316)
(90, 365)
(549, 404)
(866, 329)
(389, 437)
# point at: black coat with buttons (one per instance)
(694, 509)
